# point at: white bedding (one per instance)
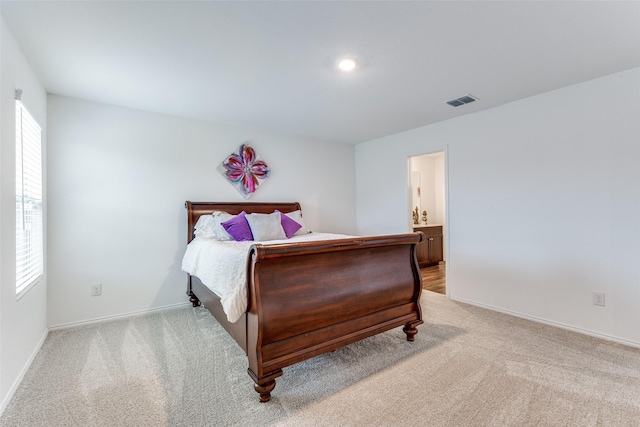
(222, 267)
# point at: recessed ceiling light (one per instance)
(348, 64)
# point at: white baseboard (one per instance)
(116, 316)
(550, 323)
(24, 370)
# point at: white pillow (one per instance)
(297, 217)
(204, 227)
(218, 219)
(266, 226)
(210, 226)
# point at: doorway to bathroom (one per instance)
(428, 214)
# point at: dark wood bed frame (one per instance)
(310, 298)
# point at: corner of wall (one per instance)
(23, 323)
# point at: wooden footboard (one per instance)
(309, 298)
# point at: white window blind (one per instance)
(29, 229)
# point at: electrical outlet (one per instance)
(96, 289)
(598, 298)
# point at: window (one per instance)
(29, 229)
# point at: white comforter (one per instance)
(222, 267)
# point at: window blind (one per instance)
(29, 227)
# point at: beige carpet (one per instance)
(467, 367)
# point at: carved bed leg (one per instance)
(265, 390)
(194, 299)
(265, 385)
(411, 330)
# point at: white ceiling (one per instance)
(271, 65)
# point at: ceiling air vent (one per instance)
(461, 101)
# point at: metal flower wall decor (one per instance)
(244, 170)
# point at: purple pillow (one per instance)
(289, 225)
(238, 227)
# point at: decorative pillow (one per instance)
(297, 217)
(209, 226)
(266, 226)
(238, 227)
(204, 227)
(218, 218)
(288, 225)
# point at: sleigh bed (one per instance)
(309, 298)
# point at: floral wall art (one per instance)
(244, 170)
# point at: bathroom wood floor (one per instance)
(433, 278)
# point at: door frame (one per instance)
(447, 225)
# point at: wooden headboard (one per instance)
(196, 209)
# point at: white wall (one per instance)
(424, 166)
(543, 202)
(23, 323)
(431, 169)
(118, 180)
(439, 215)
